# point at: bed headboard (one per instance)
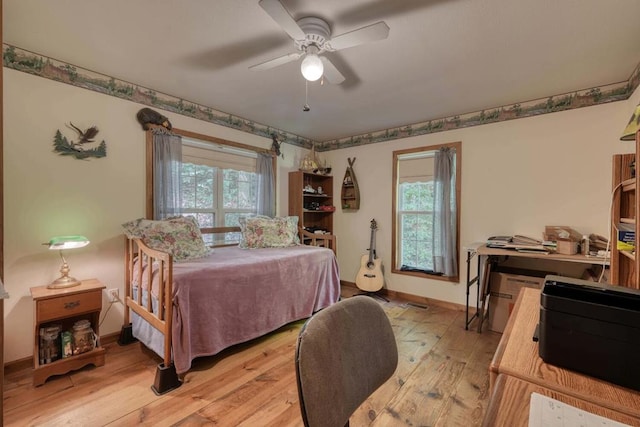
(226, 236)
(221, 236)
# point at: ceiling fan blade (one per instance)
(272, 63)
(331, 72)
(276, 10)
(370, 33)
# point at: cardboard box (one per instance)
(505, 288)
(562, 232)
(566, 247)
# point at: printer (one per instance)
(591, 328)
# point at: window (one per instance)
(220, 181)
(219, 184)
(418, 220)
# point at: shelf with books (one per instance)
(623, 238)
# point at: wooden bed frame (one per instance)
(166, 378)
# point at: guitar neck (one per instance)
(372, 246)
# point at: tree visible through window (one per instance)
(218, 188)
(415, 212)
(198, 193)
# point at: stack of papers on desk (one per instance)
(547, 412)
(524, 240)
(519, 243)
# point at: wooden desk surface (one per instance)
(484, 250)
(510, 402)
(517, 355)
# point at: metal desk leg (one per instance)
(471, 282)
(485, 286)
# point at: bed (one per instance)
(199, 307)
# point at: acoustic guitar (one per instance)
(369, 278)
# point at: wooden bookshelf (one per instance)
(311, 200)
(624, 263)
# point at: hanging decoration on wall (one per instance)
(350, 191)
(147, 116)
(79, 150)
(275, 146)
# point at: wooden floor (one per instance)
(441, 380)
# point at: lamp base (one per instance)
(64, 282)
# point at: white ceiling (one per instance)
(442, 57)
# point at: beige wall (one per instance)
(517, 177)
(47, 195)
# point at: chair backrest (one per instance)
(344, 353)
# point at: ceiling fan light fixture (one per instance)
(312, 67)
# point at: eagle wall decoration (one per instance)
(64, 147)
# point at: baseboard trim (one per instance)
(422, 301)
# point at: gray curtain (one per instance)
(167, 167)
(266, 185)
(445, 255)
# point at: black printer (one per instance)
(591, 328)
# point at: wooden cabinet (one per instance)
(311, 200)
(624, 263)
(63, 308)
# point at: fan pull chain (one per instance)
(306, 96)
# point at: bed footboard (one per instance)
(144, 265)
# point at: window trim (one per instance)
(192, 135)
(394, 226)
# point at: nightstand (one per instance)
(65, 307)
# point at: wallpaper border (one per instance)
(23, 60)
(43, 66)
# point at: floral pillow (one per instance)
(179, 236)
(266, 232)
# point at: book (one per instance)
(517, 242)
(538, 249)
(498, 241)
(525, 240)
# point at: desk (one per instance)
(517, 356)
(511, 399)
(487, 256)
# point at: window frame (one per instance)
(202, 137)
(395, 235)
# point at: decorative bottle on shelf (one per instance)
(83, 337)
(584, 245)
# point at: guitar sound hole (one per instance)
(370, 265)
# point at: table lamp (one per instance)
(60, 243)
(629, 133)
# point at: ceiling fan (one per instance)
(312, 37)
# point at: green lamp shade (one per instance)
(60, 243)
(68, 242)
(629, 133)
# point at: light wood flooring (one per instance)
(441, 380)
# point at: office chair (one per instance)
(344, 353)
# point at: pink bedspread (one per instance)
(235, 295)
